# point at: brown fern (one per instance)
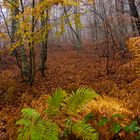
(134, 48)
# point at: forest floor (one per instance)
(68, 69)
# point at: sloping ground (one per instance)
(68, 69)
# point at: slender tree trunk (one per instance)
(44, 44)
(31, 46)
(24, 64)
(72, 29)
(77, 23)
(135, 13)
(44, 52)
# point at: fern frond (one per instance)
(77, 100)
(84, 131)
(55, 102)
(37, 130)
(34, 131)
(134, 47)
(31, 125)
(23, 134)
(34, 128)
(51, 131)
(29, 113)
(24, 122)
(106, 105)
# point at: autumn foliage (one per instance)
(69, 70)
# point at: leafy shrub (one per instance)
(116, 126)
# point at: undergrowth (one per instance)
(74, 116)
(8, 86)
(58, 118)
(134, 48)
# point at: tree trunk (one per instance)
(23, 58)
(44, 44)
(72, 29)
(31, 46)
(135, 13)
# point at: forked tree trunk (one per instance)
(23, 58)
(72, 29)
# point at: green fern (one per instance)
(83, 130)
(77, 100)
(29, 113)
(31, 125)
(35, 127)
(51, 131)
(55, 102)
